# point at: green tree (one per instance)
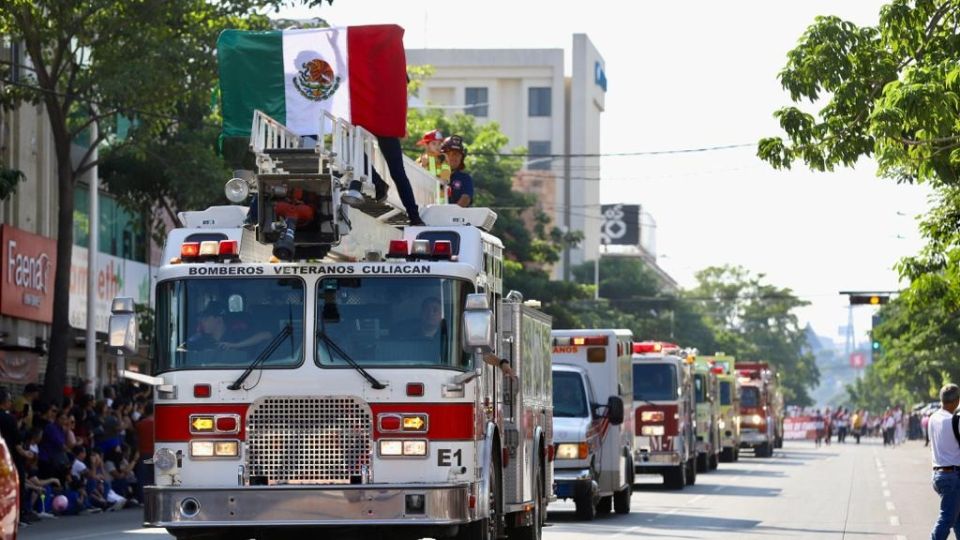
(753, 320)
(891, 92)
(93, 61)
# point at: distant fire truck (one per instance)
(729, 423)
(761, 408)
(357, 390)
(707, 390)
(665, 415)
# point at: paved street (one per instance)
(841, 491)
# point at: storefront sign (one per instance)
(28, 266)
(115, 277)
(19, 367)
(599, 76)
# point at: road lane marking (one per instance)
(890, 506)
(894, 521)
(901, 537)
(883, 484)
(886, 493)
(695, 499)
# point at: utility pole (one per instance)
(93, 247)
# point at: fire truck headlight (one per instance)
(201, 448)
(391, 448)
(756, 419)
(414, 448)
(651, 416)
(722, 424)
(572, 451)
(226, 449)
(652, 431)
(164, 460)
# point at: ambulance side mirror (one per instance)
(615, 410)
(477, 324)
(123, 330)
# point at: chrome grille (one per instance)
(308, 440)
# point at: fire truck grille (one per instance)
(308, 440)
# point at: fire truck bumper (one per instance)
(750, 438)
(341, 505)
(655, 462)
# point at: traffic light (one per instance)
(869, 299)
(875, 344)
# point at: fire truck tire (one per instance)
(676, 478)
(605, 505)
(714, 462)
(621, 499)
(535, 531)
(727, 455)
(488, 529)
(764, 450)
(691, 473)
(736, 454)
(701, 462)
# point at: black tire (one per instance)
(779, 443)
(701, 462)
(736, 454)
(535, 531)
(605, 505)
(763, 451)
(586, 508)
(676, 477)
(713, 462)
(621, 499)
(726, 455)
(691, 473)
(487, 529)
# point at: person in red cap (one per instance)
(431, 159)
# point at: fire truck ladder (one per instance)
(306, 188)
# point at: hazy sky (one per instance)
(685, 74)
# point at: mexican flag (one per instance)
(358, 73)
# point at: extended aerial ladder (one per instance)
(314, 197)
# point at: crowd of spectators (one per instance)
(78, 454)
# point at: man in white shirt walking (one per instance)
(946, 463)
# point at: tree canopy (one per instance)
(890, 92)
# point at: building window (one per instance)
(122, 233)
(476, 101)
(540, 101)
(539, 160)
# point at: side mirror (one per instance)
(477, 324)
(123, 330)
(615, 410)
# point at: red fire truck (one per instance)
(368, 389)
(761, 408)
(664, 397)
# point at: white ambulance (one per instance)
(593, 419)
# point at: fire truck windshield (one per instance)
(569, 401)
(227, 323)
(749, 397)
(391, 322)
(725, 391)
(655, 382)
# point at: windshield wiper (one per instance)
(647, 401)
(332, 345)
(286, 331)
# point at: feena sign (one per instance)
(599, 76)
(28, 263)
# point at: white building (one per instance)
(542, 109)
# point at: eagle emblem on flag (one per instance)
(316, 80)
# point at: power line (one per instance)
(626, 154)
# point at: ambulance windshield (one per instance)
(655, 382)
(569, 401)
(391, 322)
(227, 323)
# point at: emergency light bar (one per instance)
(647, 347)
(209, 250)
(581, 341)
(420, 249)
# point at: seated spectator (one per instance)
(53, 461)
(99, 486)
(461, 183)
